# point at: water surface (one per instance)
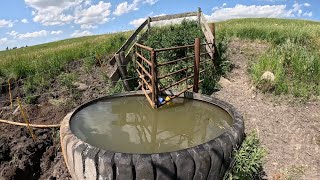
(129, 124)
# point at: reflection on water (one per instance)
(129, 124)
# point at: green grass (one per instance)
(52, 57)
(294, 56)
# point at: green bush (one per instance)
(248, 159)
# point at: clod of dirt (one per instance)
(223, 82)
(81, 86)
(4, 150)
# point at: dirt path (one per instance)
(289, 131)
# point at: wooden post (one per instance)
(213, 31)
(199, 15)
(154, 79)
(196, 65)
(122, 72)
(149, 24)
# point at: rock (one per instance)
(269, 76)
(223, 82)
(81, 86)
(16, 111)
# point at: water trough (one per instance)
(122, 137)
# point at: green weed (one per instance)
(248, 159)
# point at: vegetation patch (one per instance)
(294, 57)
(248, 159)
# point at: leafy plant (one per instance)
(248, 159)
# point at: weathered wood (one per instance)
(129, 40)
(173, 16)
(208, 35)
(199, 16)
(124, 60)
(196, 65)
(213, 31)
(123, 72)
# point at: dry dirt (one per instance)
(289, 130)
(20, 157)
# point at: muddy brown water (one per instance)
(130, 125)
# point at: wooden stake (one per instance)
(26, 120)
(11, 107)
(196, 65)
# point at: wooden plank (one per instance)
(129, 40)
(143, 58)
(173, 16)
(196, 65)
(208, 35)
(122, 73)
(144, 70)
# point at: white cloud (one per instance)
(124, 7)
(35, 34)
(256, 11)
(87, 26)
(307, 4)
(137, 22)
(95, 14)
(56, 32)
(5, 23)
(308, 14)
(48, 12)
(16, 35)
(12, 33)
(151, 2)
(24, 21)
(78, 33)
(3, 40)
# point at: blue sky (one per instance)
(31, 22)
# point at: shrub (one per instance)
(248, 159)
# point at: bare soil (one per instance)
(288, 128)
(20, 157)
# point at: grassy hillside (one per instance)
(294, 56)
(52, 57)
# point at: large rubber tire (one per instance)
(206, 161)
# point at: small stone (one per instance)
(16, 111)
(268, 76)
(223, 82)
(81, 86)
